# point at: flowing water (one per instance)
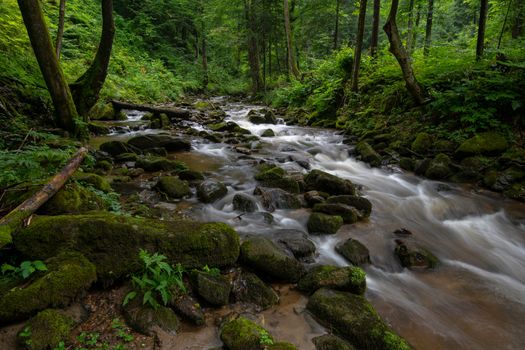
(475, 299)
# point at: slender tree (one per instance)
(399, 52)
(358, 44)
(253, 51)
(87, 88)
(292, 63)
(482, 23)
(60, 30)
(65, 110)
(428, 28)
(504, 24)
(375, 28)
(410, 31)
(517, 26)
(336, 29)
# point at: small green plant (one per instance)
(60, 346)
(26, 269)
(211, 271)
(265, 338)
(26, 335)
(122, 331)
(88, 339)
(157, 280)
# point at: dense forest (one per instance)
(262, 174)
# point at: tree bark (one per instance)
(253, 51)
(14, 221)
(87, 88)
(504, 24)
(410, 26)
(292, 63)
(480, 45)
(60, 30)
(336, 29)
(358, 44)
(517, 27)
(428, 29)
(399, 52)
(375, 28)
(203, 48)
(65, 110)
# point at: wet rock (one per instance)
(354, 251)
(72, 199)
(210, 191)
(103, 111)
(152, 164)
(276, 198)
(321, 181)
(489, 143)
(313, 197)
(261, 216)
(170, 143)
(422, 165)
(348, 213)
(173, 187)
(403, 232)
(368, 154)
(190, 175)
(188, 308)
(321, 224)
(422, 143)
(296, 242)
(349, 279)
(97, 235)
(265, 256)
(243, 150)
(228, 127)
(126, 157)
(407, 163)
(331, 342)
(262, 117)
(363, 205)
(215, 290)
(248, 288)
(156, 151)
(244, 203)
(243, 334)
(47, 329)
(115, 148)
(353, 318)
(98, 128)
(67, 277)
(414, 257)
(274, 176)
(439, 167)
(144, 319)
(268, 133)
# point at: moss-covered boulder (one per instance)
(363, 205)
(296, 242)
(321, 181)
(144, 319)
(112, 242)
(263, 116)
(248, 288)
(213, 289)
(243, 334)
(115, 148)
(268, 133)
(281, 346)
(68, 276)
(407, 163)
(230, 126)
(98, 128)
(324, 224)
(153, 163)
(173, 187)
(353, 318)
(72, 199)
(210, 191)
(331, 342)
(102, 111)
(276, 198)
(349, 279)
(47, 329)
(244, 203)
(266, 257)
(439, 167)
(170, 143)
(414, 256)
(94, 180)
(368, 154)
(349, 214)
(276, 177)
(186, 306)
(354, 251)
(488, 143)
(422, 144)
(313, 197)
(190, 175)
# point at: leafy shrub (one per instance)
(26, 269)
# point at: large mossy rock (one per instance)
(112, 242)
(173, 187)
(368, 154)
(170, 143)
(349, 279)
(210, 191)
(349, 214)
(215, 290)
(489, 143)
(144, 319)
(72, 199)
(244, 203)
(321, 181)
(94, 180)
(354, 251)
(331, 342)
(422, 143)
(68, 276)
(102, 111)
(248, 288)
(116, 148)
(363, 205)
(48, 328)
(439, 167)
(266, 257)
(228, 127)
(324, 224)
(276, 177)
(276, 198)
(154, 163)
(243, 334)
(296, 242)
(352, 317)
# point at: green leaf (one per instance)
(6, 268)
(130, 296)
(39, 265)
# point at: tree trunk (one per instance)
(253, 51)
(65, 110)
(358, 44)
(399, 52)
(375, 28)
(517, 27)
(410, 26)
(428, 29)
(87, 88)
(336, 30)
(14, 221)
(504, 24)
(480, 45)
(292, 65)
(172, 113)
(203, 46)
(60, 30)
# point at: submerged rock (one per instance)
(276, 198)
(210, 191)
(173, 187)
(248, 288)
(245, 203)
(320, 224)
(353, 318)
(349, 279)
(321, 181)
(215, 290)
(354, 251)
(412, 256)
(47, 329)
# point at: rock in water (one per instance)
(354, 251)
(276, 198)
(244, 203)
(173, 187)
(349, 214)
(248, 288)
(321, 181)
(210, 191)
(413, 256)
(243, 334)
(349, 279)
(363, 205)
(321, 224)
(170, 143)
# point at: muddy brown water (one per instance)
(474, 299)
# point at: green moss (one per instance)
(489, 143)
(95, 180)
(320, 223)
(47, 328)
(213, 289)
(68, 275)
(243, 334)
(422, 143)
(72, 199)
(152, 163)
(173, 187)
(321, 181)
(350, 279)
(368, 154)
(276, 177)
(281, 346)
(439, 167)
(349, 214)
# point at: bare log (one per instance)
(14, 221)
(172, 113)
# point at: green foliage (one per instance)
(26, 269)
(122, 330)
(157, 281)
(265, 338)
(211, 271)
(25, 334)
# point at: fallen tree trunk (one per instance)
(13, 221)
(172, 113)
